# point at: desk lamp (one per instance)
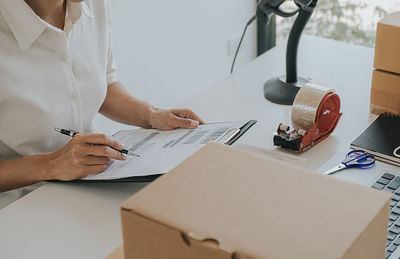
(283, 90)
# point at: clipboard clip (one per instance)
(229, 135)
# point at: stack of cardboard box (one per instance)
(385, 90)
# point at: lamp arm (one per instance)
(294, 39)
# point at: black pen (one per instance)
(72, 133)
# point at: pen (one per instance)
(72, 133)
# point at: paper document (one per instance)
(161, 151)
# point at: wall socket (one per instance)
(232, 44)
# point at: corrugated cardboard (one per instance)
(227, 203)
(117, 254)
(387, 51)
(385, 92)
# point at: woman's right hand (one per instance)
(85, 154)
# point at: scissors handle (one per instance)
(352, 155)
(359, 158)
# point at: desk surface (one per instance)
(82, 220)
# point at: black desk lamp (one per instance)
(283, 90)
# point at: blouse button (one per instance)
(62, 57)
(74, 95)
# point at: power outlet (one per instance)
(232, 44)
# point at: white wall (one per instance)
(168, 46)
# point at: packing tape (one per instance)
(315, 104)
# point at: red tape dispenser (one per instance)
(315, 115)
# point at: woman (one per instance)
(57, 69)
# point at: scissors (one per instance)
(354, 159)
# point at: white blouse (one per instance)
(51, 77)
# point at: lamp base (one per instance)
(277, 90)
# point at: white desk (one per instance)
(82, 220)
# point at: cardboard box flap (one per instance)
(251, 204)
(392, 19)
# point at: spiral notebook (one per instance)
(381, 138)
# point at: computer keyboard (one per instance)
(391, 184)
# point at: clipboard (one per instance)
(149, 178)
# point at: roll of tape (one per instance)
(311, 103)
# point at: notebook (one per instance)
(381, 138)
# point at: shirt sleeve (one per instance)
(111, 65)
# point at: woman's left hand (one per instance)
(172, 119)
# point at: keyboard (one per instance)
(391, 184)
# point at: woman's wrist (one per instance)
(150, 115)
(46, 167)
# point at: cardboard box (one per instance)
(223, 202)
(385, 92)
(387, 51)
(117, 254)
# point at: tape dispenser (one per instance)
(315, 115)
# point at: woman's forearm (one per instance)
(23, 171)
(121, 106)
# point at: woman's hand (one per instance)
(85, 154)
(172, 119)
(119, 105)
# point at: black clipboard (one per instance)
(150, 178)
